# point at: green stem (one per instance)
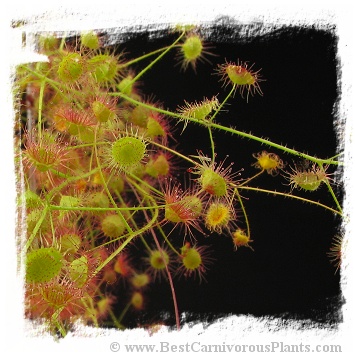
(211, 120)
(36, 228)
(67, 182)
(40, 108)
(60, 174)
(167, 240)
(209, 124)
(52, 227)
(135, 191)
(212, 144)
(173, 152)
(223, 103)
(337, 155)
(90, 309)
(333, 195)
(116, 321)
(57, 323)
(172, 288)
(146, 184)
(62, 43)
(231, 131)
(277, 146)
(135, 60)
(127, 241)
(177, 317)
(52, 82)
(123, 313)
(330, 189)
(141, 73)
(244, 211)
(104, 209)
(153, 108)
(276, 193)
(73, 147)
(251, 178)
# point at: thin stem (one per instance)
(60, 174)
(104, 209)
(212, 118)
(232, 131)
(290, 196)
(115, 320)
(251, 178)
(167, 240)
(123, 313)
(135, 60)
(36, 228)
(223, 103)
(176, 309)
(127, 241)
(208, 124)
(138, 188)
(333, 195)
(333, 157)
(80, 146)
(52, 227)
(52, 82)
(90, 309)
(244, 211)
(151, 107)
(62, 43)
(212, 144)
(67, 182)
(277, 146)
(57, 323)
(132, 175)
(330, 189)
(141, 73)
(173, 152)
(40, 108)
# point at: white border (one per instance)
(70, 15)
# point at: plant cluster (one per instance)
(100, 172)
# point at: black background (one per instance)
(288, 274)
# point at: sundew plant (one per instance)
(154, 185)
